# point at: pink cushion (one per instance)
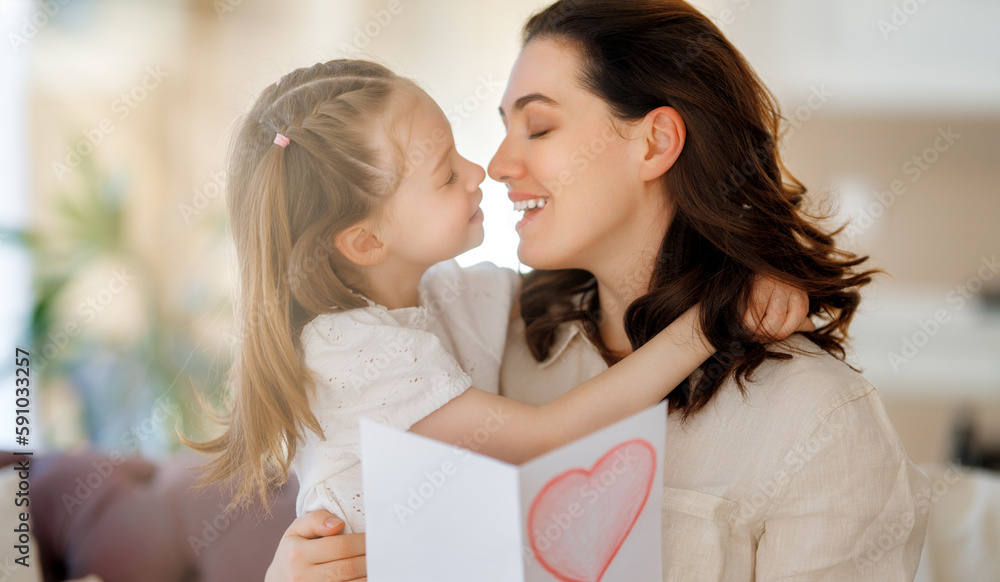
(129, 519)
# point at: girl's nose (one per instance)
(476, 175)
(479, 173)
(506, 164)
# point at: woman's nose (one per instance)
(505, 165)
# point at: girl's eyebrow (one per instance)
(441, 162)
(523, 102)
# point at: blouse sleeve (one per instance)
(854, 507)
(390, 374)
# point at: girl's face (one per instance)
(434, 214)
(563, 148)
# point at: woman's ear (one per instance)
(359, 245)
(662, 138)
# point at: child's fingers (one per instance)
(759, 296)
(751, 320)
(798, 309)
(766, 294)
(773, 320)
(798, 314)
(775, 312)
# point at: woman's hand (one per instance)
(310, 551)
(776, 310)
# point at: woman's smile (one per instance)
(530, 204)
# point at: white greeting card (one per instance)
(588, 511)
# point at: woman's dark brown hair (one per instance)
(736, 209)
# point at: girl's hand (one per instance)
(310, 551)
(776, 310)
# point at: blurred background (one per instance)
(117, 263)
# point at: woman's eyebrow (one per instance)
(523, 102)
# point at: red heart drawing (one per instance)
(580, 519)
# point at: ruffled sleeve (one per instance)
(370, 366)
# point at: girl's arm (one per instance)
(517, 431)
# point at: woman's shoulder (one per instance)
(447, 282)
(807, 444)
(812, 382)
(786, 401)
(474, 304)
(811, 411)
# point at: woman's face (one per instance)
(563, 149)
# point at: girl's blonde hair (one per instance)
(285, 206)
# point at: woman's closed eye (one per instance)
(538, 134)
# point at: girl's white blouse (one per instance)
(396, 367)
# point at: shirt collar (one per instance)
(566, 333)
(414, 317)
(564, 337)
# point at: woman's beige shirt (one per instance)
(801, 478)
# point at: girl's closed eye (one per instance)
(538, 134)
(452, 179)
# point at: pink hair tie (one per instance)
(279, 80)
(281, 140)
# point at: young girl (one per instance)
(346, 194)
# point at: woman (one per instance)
(655, 147)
